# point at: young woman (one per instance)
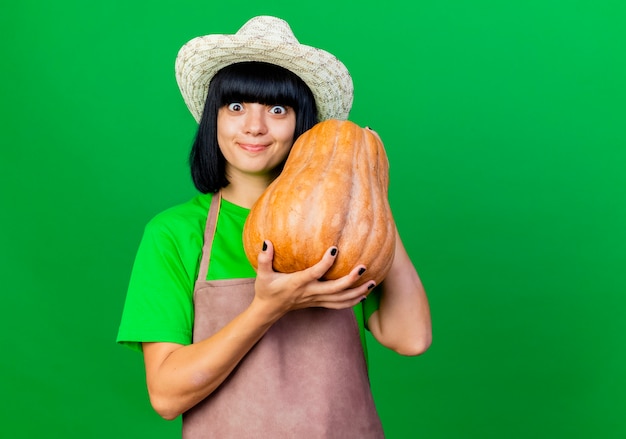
(259, 354)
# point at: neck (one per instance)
(245, 191)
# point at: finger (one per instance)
(331, 292)
(373, 131)
(347, 298)
(265, 257)
(318, 270)
(343, 283)
(342, 304)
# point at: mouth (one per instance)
(253, 147)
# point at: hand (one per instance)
(285, 292)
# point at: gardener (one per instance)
(258, 354)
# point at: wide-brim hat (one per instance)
(271, 40)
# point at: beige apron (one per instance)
(306, 378)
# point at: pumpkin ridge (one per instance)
(297, 164)
(356, 193)
(374, 208)
(344, 138)
(356, 239)
(332, 171)
(313, 206)
(380, 207)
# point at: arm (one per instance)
(402, 322)
(179, 376)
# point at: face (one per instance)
(254, 138)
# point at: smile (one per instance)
(252, 147)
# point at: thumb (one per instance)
(266, 257)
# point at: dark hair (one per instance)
(257, 82)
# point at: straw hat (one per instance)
(271, 40)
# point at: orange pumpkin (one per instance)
(332, 192)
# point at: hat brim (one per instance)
(202, 57)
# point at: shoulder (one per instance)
(187, 217)
(169, 250)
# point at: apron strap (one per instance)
(209, 233)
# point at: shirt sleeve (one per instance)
(371, 304)
(159, 301)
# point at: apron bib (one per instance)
(306, 378)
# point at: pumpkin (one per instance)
(332, 191)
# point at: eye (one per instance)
(235, 106)
(278, 109)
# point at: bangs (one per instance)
(259, 82)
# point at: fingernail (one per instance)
(363, 299)
(333, 251)
(369, 128)
(264, 245)
(361, 270)
(370, 286)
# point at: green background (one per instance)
(504, 123)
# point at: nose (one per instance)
(255, 122)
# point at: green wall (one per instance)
(505, 127)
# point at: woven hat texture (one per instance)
(271, 40)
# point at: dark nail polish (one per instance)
(363, 300)
(370, 286)
(333, 251)
(361, 270)
(264, 245)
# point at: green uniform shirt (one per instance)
(159, 302)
